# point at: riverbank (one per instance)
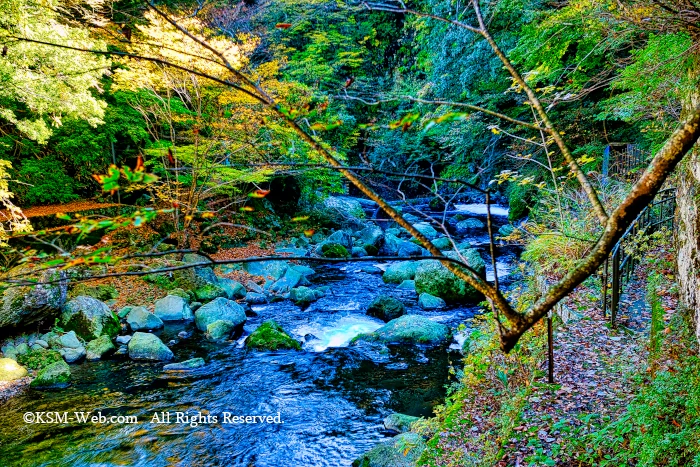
(504, 413)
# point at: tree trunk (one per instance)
(688, 199)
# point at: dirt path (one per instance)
(75, 206)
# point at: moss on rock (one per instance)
(270, 336)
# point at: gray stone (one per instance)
(123, 339)
(409, 249)
(140, 319)
(89, 318)
(121, 314)
(233, 289)
(399, 272)
(426, 229)
(22, 348)
(220, 329)
(173, 308)
(407, 285)
(442, 243)
(254, 298)
(290, 280)
(371, 238)
(358, 252)
(100, 347)
(468, 225)
(146, 346)
(341, 211)
(430, 302)
(390, 246)
(253, 287)
(340, 237)
(41, 343)
(190, 364)
(220, 309)
(70, 340)
(26, 306)
(266, 269)
(73, 355)
(304, 295)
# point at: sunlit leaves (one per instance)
(110, 181)
(405, 122)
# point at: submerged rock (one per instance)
(386, 308)
(10, 370)
(190, 364)
(173, 308)
(399, 422)
(89, 318)
(220, 309)
(430, 302)
(55, 376)
(270, 336)
(434, 278)
(146, 346)
(403, 450)
(140, 319)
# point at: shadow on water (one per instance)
(330, 397)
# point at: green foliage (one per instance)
(39, 359)
(334, 250)
(47, 182)
(270, 336)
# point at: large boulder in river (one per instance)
(219, 309)
(426, 229)
(403, 450)
(468, 225)
(340, 237)
(371, 238)
(430, 302)
(173, 308)
(341, 211)
(54, 376)
(409, 249)
(302, 296)
(26, 306)
(89, 318)
(146, 346)
(386, 308)
(398, 272)
(270, 336)
(411, 329)
(233, 289)
(140, 319)
(434, 278)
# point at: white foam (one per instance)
(481, 209)
(339, 333)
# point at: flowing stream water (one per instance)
(331, 397)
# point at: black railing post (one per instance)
(550, 348)
(615, 285)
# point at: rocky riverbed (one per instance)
(329, 349)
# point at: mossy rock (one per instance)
(100, 347)
(39, 359)
(270, 336)
(186, 295)
(403, 450)
(386, 308)
(209, 292)
(10, 370)
(334, 250)
(434, 278)
(55, 376)
(100, 292)
(89, 318)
